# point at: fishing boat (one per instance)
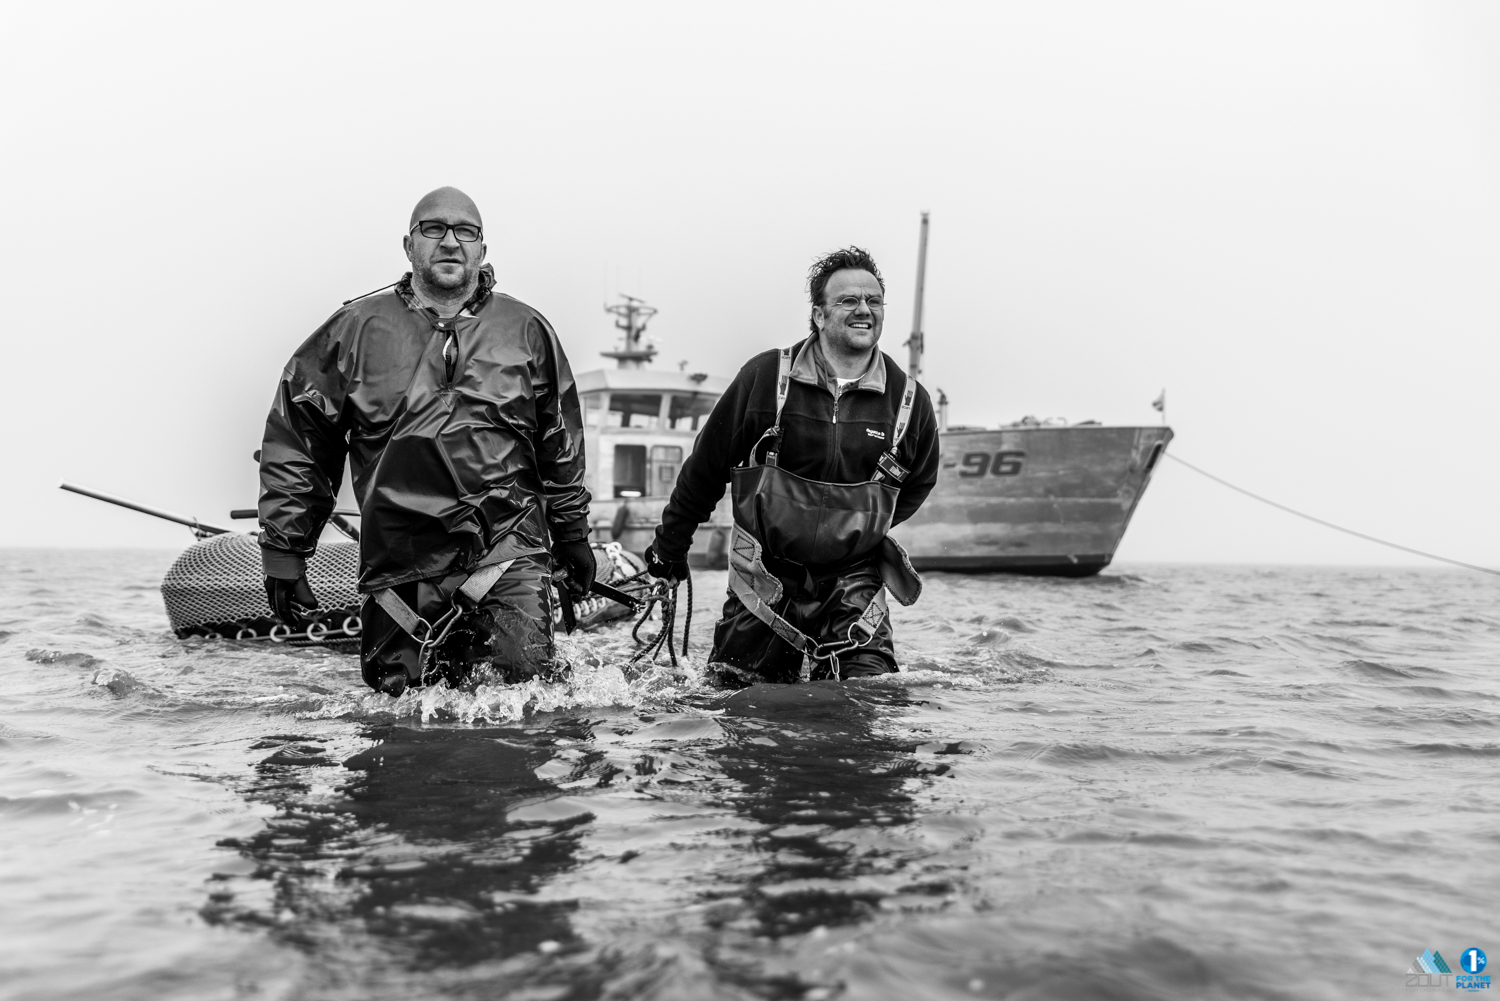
(1032, 498)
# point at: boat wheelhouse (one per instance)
(639, 426)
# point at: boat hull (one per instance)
(1034, 500)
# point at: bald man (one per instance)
(455, 407)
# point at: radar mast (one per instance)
(631, 317)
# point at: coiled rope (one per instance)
(663, 593)
(1329, 524)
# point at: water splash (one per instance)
(601, 671)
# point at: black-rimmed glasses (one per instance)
(436, 230)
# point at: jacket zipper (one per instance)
(450, 367)
(836, 432)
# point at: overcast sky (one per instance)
(1285, 214)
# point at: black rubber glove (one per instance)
(658, 566)
(577, 557)
(293, 601)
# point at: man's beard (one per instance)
(448, 281)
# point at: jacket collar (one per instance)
(810, 366)
(476, 301)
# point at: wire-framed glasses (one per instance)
(853, 301)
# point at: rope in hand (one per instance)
(1329, 524)
(663, 593)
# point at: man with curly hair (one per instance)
(828, 444)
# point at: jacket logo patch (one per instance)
(875, 434)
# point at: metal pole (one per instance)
(197, 526)
(914, 359)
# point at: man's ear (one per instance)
(483, 249)
(818, 318)
(406, 246)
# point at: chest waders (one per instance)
(430, 634)
(813, 523)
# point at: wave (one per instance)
(9, 732)
(1458, 750)
(120, 683)
(63, 659)
(1386, 672)
(45, 801)
(1082, 753)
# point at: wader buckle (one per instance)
(865, 628)
(430, 635)
(422, 631)
(773, 432)
(442, 627)
(831, 649)
(867, 625)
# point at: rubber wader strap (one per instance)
(903, 418)
(783, 385)
(400, 612)
(476, 587)
(745, 560)
(748, 577)
(479, 583)
(870, 621)
(783, 381)
(799, 640)
(886, 465)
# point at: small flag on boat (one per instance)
(1160, 403)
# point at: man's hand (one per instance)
(665, 569)
(578, 559)
(293, 601)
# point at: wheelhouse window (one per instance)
(666, 460)
(630, 470)
(634, 410)
(686, 412)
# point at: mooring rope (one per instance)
(664, 594)
(1329, 524)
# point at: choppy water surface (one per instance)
(1162, 782)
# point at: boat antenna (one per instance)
(916, 342)
(632, 316)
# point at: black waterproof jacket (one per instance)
(451, 469)
(828, 435)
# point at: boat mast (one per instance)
(915, 342)
(632, 316)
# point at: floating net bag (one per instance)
(216, 588)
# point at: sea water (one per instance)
(1189, 782)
